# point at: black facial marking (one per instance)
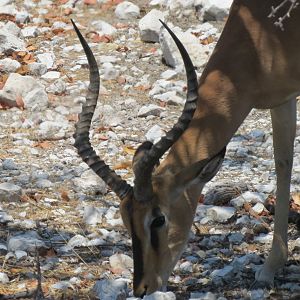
(154, 239)
(138, 266)
(157, 222)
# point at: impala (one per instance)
(254, 65)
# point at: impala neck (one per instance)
(255, 65)
(218, 115)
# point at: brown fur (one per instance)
(255, 65)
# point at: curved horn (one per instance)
(151, 158)
(82, 140)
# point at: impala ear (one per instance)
(212, 167)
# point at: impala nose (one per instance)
(140, 291)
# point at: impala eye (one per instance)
(158, 222)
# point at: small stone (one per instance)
(8, 65)
(220, 213)
(109, 71)
(58, 87)
(127, 10)
(90, 183)
(121, 262)
(161, 296)
(258, 208)
(30, 32)
(203, 296)
(93, 215)
(10, 43)
(44, 183)
(104, 28)
(29, 242)
(22, 17)
(20, 254)
(225, 273)
(154, 134)
(236, 237)
(4, 278)
(37, 69)
(110, 289)
(150, 110)
(9, 164)
(62, 285)
(150, 26)
(169, 74)
(186, 267)
(10, 192)
(258, 294)
(51, 75)
(46, 59)
(77, 241)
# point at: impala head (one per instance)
(158, 211)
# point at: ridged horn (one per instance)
(146, 164)
(82, 127)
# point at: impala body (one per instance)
(254, 65)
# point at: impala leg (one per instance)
(284, 129)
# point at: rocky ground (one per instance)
(59, 224)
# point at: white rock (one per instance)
(62, 285)
(20, 254)
(22, 16)
(77, 241)
(150, 26)
(6, 2)
(58, 25)
(170, 98)
(203, 296)
(247, 197)
(4, 217)
(258, 208)
(8, 65)
(47, 59)
(89, 182)
(180, 4)
(9, 42)
(8, 9)
(37, 69)
(36, 99)
(186, 267)
(158, 2)
(31, 90)
(169, 74)
(4, 278)
(199, 53)
(109, 71)
(154, 134)
(161, 296)
(29, 32)
(12, 28)
(93, 215)
(28, 242)
(220, 213)
(57, 87)
(264, 238)
(110, 289)
(121, 261)
(104, 28)
(150, 110)
(51, 75)
(53, 128)
(127, 10)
